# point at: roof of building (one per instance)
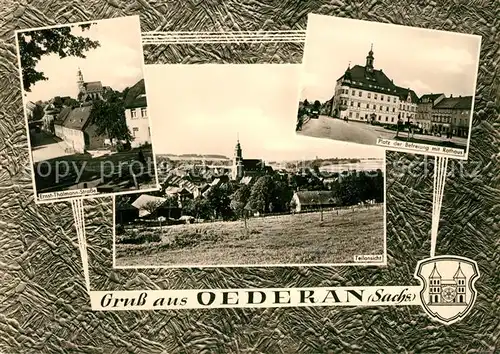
(435, 273)
(459, 273)
(403, 94)
(94, 86)
(136, 96)
(61, 117)
(253, 164)
(316, 197)
(246, 180)
(375, 81)
(145, 199)
(430, 96)
(455, 103)
(125, 206)
(78, 118)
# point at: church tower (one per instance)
(237, 170)
(435, 286)
(459, 278)
(80, 82)
(369, 60)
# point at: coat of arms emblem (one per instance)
(448, 291)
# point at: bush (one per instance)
(135, 238)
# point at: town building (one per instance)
(447, 291)
(73, 125)
(452, 115)
(90, 91)
(424, 110)
(30, 108)
(151, 207)
(408, 105)
(50, 113)
(136, 115)
(366, 94)
(246, 167)
(313, 200)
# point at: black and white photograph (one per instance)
(239, 187)
(86, 109)
(403, 88)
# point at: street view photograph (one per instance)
(239, 187)
(86, 109)
(404, 88)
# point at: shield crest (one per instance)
(448, 291)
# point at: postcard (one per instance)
(86, 109)
(402, 88)
(240, 188)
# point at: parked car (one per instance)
(314, 114)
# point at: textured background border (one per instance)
(44, 307)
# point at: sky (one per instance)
(426, 61)
(201, 109)
(117, 63)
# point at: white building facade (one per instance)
(368, 95)
(138, 125)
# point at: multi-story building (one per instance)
(408, 103)
(136, 115)
(366, 94)
(452, 115)
(424, 110)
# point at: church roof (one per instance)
(435, 273)
(375, 81)
(459, 273)
(455, 103)
(252, 164)
(94, 86)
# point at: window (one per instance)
(369, 94)
(134, 130)
(143, 112)
(386, 118)
(374, 106)
(360, 94)
(381, 107)
(381, 97)
(353, 92)
(375, 96)
(357, 114)
(387, 108)
(392, 119)
(388, 99)
(359, 104)
(352, 103)
(394, 109)
(394, 99)
(133, 113)
(350, 114)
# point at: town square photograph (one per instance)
(86, 109)
(404, 88)
(239, 187)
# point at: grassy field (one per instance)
(294, 239)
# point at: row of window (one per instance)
(366, 117)
(369, 95)
(435, 290)
(407, 108)
(135, 130)
(144, 112)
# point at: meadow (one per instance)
(284, 239)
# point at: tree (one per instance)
(38, 112)
(35, 44)
(109, 117)
(219, 202)
(317, 105)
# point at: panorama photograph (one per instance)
(239, 187)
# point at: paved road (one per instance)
(337, 129)
(46, 147)
(362, 133)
